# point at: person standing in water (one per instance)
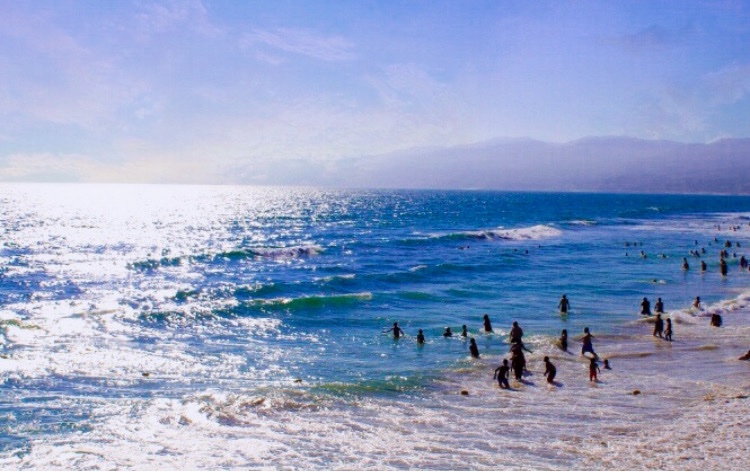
(723, 265)
(487, 324)
(473, 349)
(397, 332)
(516, 333)
(587, 344)
(464, 331)
(501, 374)
(447, 333)
(668, 331)
(564, 340)
(697, 303)
(659, 306)
(703, 266)
(685, 265)
(645, 307)
(564, 305)
(658, 325)
(593, 371)
(550, 370)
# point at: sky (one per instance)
(202, 91)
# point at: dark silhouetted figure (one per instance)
(420, 337)
(501, 374)
(645, 307)
(473, 349)
(668, 331)
(659, 306)
(564, 340)
(550, 370)
(564, 305)
(658, 326)
(397, 332)
(487, 324)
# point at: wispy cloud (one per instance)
(161, 17)
(303, 42)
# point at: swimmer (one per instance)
(606, 365)
(501, 374)
(658, 326)
(746, 357)
(564, 305)
(659, 306)
(716, 320)
(703, 266)
(587, 344)
(473, 349)
(685, 265)
(668, 331)
(516, 333)
(564, 340)
(464, 331)
(447, 333)
(697, 302)
(487, 324)
(550, 370)
(645, 307)
(593, 371)
(724, 268)
(397, 332)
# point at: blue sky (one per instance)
(201, 91)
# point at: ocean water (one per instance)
(190, 327)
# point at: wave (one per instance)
(536, 232)
(286, 252)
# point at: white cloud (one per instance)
(303, 42)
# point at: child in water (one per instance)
(593, 370)
(564, 340)
(668, 331)
(420, 337)
(501, 374)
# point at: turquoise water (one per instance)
(117, 300)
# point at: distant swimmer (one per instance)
(703, 266)
(587, 342)
(464, 331)
(645, 306)
(473, 349)
(550, 370)
(564, 340)
(606, 365)
(501, 374)
(447, 333)
(659, 306)
(658, 326)
(716, 320)
(685, 265)
(593, 370)
(743, 262)
(487, 324)
(697, 302)
(516, 333)
(668, 331)
(420, 337)
(397, 332)
(746, 357)
(724, 268)
(564, 305)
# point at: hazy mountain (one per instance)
(609, 164)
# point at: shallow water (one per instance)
(237, 327)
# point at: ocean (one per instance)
(230, 327)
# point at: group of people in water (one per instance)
(517, 363)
